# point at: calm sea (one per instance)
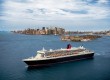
(15, 47)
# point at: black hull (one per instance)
(46, 62)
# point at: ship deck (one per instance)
(60, 55)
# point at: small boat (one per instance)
(48, 57)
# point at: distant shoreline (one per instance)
(59, 31)
(43, 31)
(79, 38)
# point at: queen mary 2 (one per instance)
(49, 57)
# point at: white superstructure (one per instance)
(63, 52)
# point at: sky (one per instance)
(73, 15)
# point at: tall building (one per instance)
(61, 31)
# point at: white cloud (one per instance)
(102, 1)
(52, 10)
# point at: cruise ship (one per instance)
(48, 57)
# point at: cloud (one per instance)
(75, 11)
(54, 9)
(102, 1)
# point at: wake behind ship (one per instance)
(47, 57)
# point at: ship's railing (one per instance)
(63, 53)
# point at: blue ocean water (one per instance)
(15, 47)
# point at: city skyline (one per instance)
(81, 15)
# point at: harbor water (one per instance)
(15, 47)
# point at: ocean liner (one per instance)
(47, 57)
